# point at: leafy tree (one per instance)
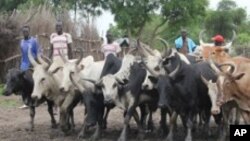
(9, 5)
(226, 18)
(116, 32)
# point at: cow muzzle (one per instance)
(7, 93)
(35, 97)
(63, 90)
(215, 111)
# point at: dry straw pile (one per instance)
(42, 23)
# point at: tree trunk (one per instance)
(151, 39)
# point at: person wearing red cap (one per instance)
(218, 40)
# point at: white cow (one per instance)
(47, 84)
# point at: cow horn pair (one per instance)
(171, 75)
(34, 62)
(166, 50)
(217, 70)
(228, 45)
(77, 62)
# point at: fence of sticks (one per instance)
(42, 20)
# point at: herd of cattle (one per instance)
(207, 83)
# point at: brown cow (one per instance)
(233, 85)
(228, 108)
(206, 49)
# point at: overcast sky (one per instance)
(107, 18)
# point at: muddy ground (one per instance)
(13, 122)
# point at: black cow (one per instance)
(184, 92)
(94, 110)
(112, 65)
(21, 82)
(134, 96)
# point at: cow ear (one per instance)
(153, 79)
(239, 76)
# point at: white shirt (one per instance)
(60, 43)
(113, 48)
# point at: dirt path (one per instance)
(13, 122)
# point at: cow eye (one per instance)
(42, 80)
(157, 68)
(114, 85)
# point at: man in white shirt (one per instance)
(60, 41)
(110, 47)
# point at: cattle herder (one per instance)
(60, 41)
(184, 44)
(218, 40)
(111, 47)
(26, 43)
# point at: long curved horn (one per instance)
(81, 56)
(200, 37)
(62, 56)
(165, 51)
(30, 56)
(165, 43)
(173, 73)
(213, 66)
(79, 87)
(48, 60)
(45, 64)
(228, 45)
(231, 66)
(204, 80)
(119, 80)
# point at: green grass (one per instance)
(6, 102)
(1, 89)
(9, 103)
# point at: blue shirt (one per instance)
(190, 43)
(32, 42)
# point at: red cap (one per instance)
(218, 38)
